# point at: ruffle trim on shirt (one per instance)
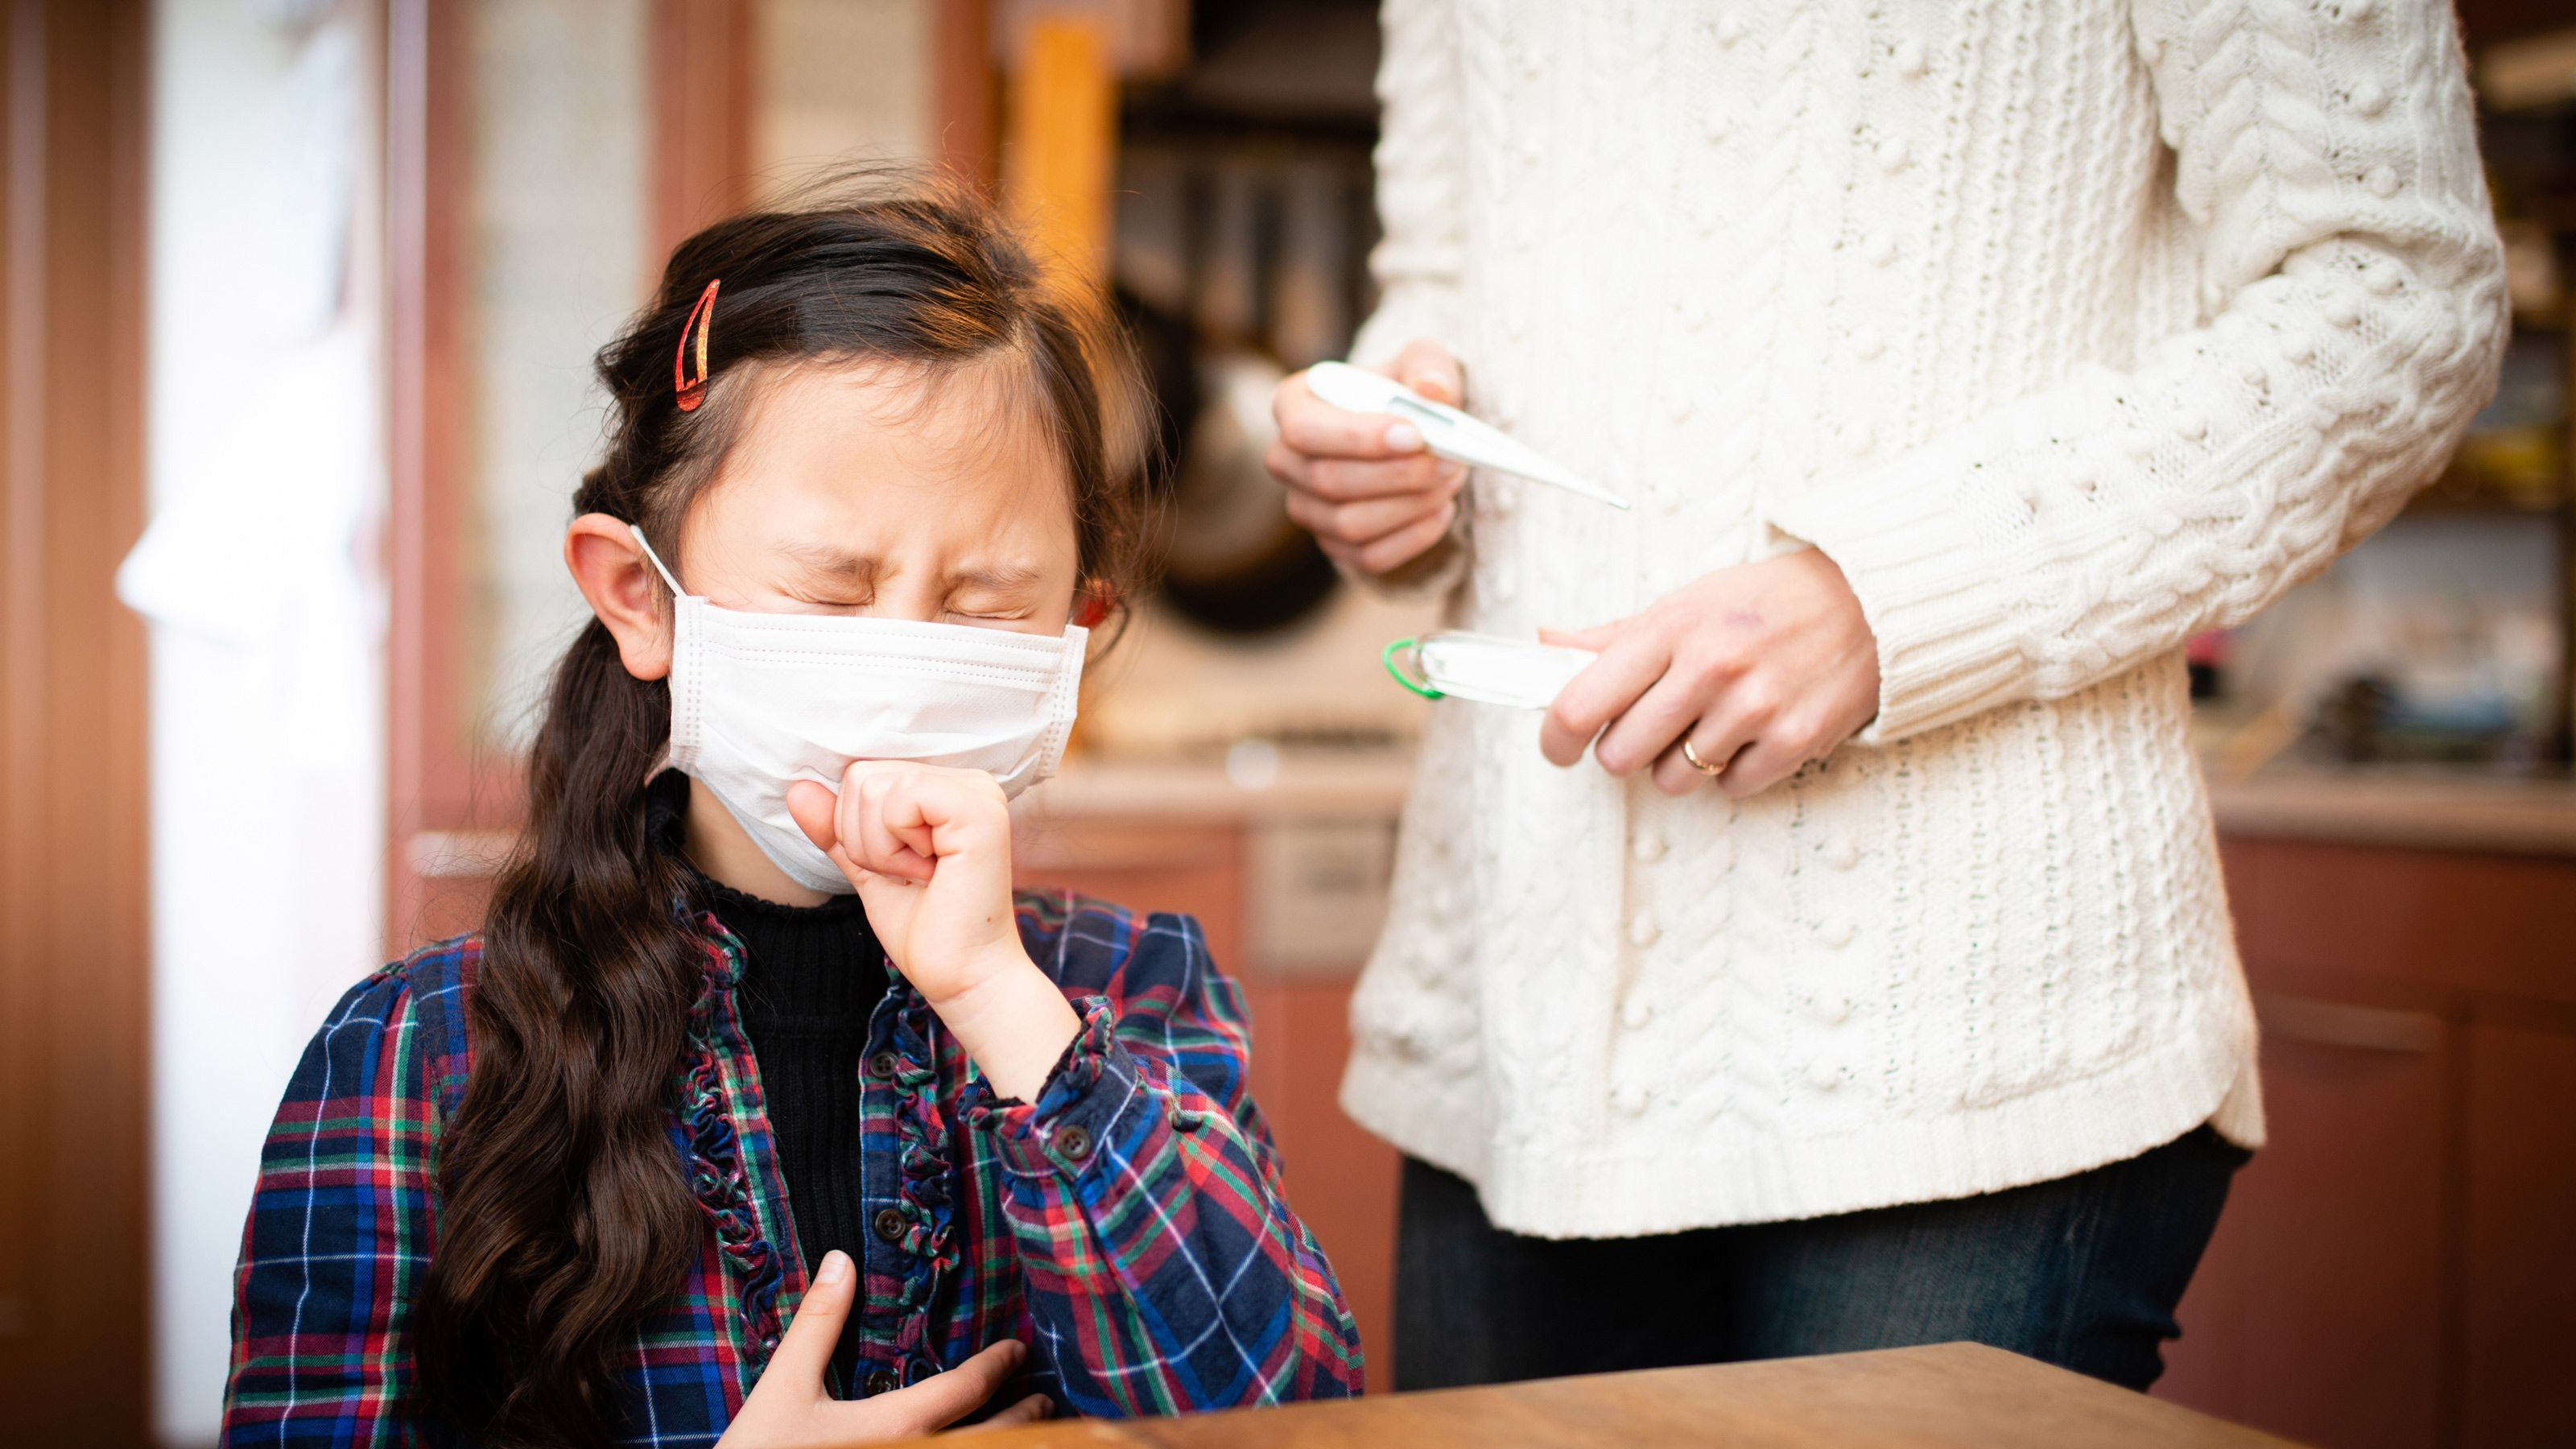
(927, 1192)
(717, 1177)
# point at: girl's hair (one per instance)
(565, 1218)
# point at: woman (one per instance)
(1962, 362)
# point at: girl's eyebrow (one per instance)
(998, 578)
(833, 563)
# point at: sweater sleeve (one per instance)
(2353, 286)
(1165, 1270)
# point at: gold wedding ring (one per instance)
(1691, 757)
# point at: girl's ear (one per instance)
(610, 569)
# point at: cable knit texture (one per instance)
(2068, 329)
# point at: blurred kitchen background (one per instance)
(298, 303)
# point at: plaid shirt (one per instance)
(1130, 1225)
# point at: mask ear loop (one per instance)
(1396, 672)
(658, 567)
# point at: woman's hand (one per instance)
(789, 1409)
(1761, 668)
(1363, 483)
(929, 850)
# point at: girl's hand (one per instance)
(1362, 484)
(1761, 668)
(789, 1409)
(929, 850)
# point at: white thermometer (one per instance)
(1454, 664)
(1447, 431)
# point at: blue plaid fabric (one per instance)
(1130, 1224)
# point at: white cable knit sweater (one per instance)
(2068, 328)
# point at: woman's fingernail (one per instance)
(836, 1266)
(1404, 438)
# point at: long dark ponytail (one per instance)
(564, 1218)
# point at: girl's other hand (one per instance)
(929, 850)
(789, 1408)
(1760, 668)
(1374, 497)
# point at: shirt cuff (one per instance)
(1096, 1096)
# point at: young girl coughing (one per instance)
(760, 1107)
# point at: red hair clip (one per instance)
(702, 320)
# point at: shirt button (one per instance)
(890, 1224)
(1867, 344)
(1836, 932)
(2382, 181)
(1834, 1008)
(1842, 852)
(1878, 248)
(1636, 1013)
(882, 1066)
(883, 1382)
(1859, 438)
(1642, 929)
(1630, 1099)
(1910, 61)
(1730, 29)
(1824, 1076)
(1649, 846)
(1074, 1141)
(1893, 154)
(2369, 99)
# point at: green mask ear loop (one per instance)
(1397, 674)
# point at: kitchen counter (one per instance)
(2420, 809)
(1253, 785)
(2424, 810)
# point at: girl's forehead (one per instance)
(886, 449)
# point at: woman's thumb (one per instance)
(1596, 638)
(807, 1344)
(812, 805)
(1427, 368)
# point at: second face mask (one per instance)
(759, 701)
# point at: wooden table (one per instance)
(1948, 1394)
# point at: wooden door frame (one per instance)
(75, 1020)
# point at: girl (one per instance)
(760, 1107)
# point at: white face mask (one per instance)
(759, 701)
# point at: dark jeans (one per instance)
(2082, 1272)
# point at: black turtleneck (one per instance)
(811, 977)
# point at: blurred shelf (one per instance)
(2460, 490)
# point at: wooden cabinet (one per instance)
(2398, 1266)
(2517, 1263)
